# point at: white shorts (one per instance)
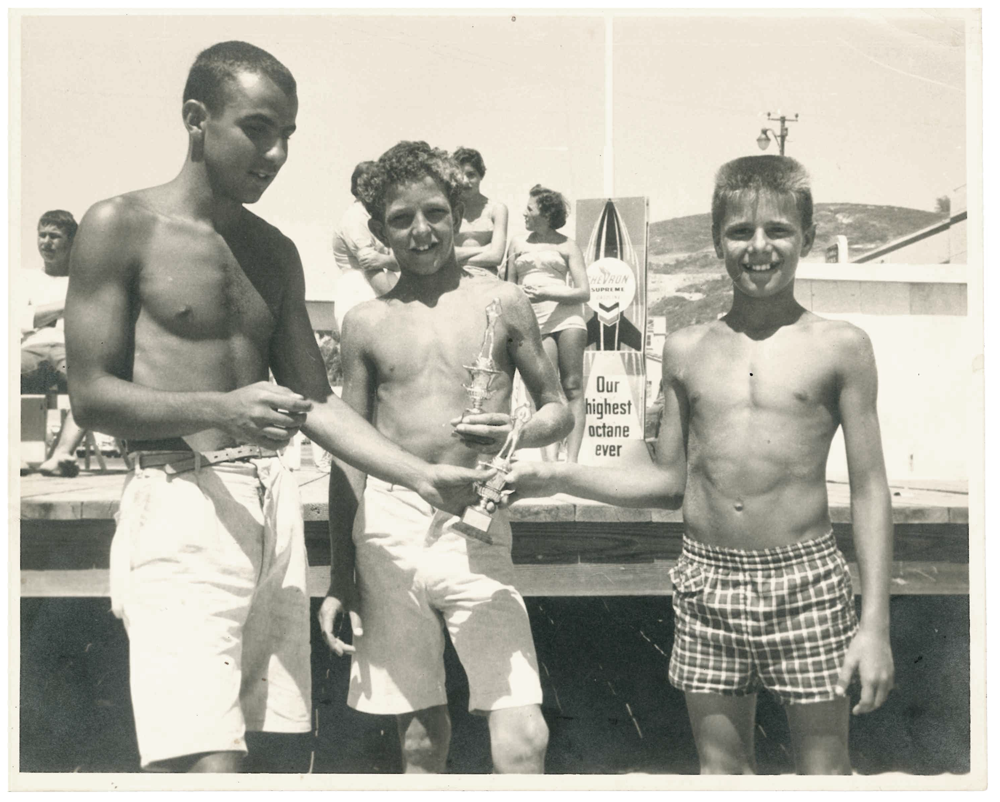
(208, 572)
(416, 576)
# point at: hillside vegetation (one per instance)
(684, 244)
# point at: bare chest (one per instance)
(735, 375)
(197, 287)
(436, 343)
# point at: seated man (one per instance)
(43, 344)
(417, 576)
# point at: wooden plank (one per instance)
(643, 579)
(95, 496)
(74, 544)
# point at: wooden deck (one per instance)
(563, 546)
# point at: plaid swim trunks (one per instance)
(779, 619)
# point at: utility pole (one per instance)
(764, 140)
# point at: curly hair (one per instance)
(750, 175)
(471, 157)
(551, 204)
(221, 62)
(360, 171)
(62, 220)
(404, 163)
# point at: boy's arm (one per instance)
(487, 432)
(492, 254)
(552, 420)
(100, 341)
(659, 485)
(871, 513)
(347, 487)
(297, 364)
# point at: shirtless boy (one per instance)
(762, 595)
(403, 357)
(180, 301)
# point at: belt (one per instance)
(174, 462)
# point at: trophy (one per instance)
(476, 520)
(484, 370)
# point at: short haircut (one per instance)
(552, 205)
(222, 62)
(405, 163)
(62, 220)
(472, 157)
(360, 171)
(750, 175)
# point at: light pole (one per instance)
(764, 140)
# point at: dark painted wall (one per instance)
(607, 701)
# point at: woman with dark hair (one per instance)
(366, 267)
(482, 239)
(550, 268)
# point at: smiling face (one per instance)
(420, 226)
(761, 240)
(246, 142)
(53, 245)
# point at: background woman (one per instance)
(541, 262)
(367, 268)
(482, 239)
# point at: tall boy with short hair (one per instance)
(180, 303)
(403, 356)
(762, 595)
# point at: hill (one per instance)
(684, 244)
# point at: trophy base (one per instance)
(475, 524)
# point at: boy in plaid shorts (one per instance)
(762, 595)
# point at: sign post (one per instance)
(614, 364)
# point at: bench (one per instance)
(562, 546)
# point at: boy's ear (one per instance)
(194, 113)
(378, 230)
(717, 242)
(457, 211)
(808, 238)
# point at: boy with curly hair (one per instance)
(407, 575)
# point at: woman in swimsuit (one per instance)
(482, 239)
(542, 263)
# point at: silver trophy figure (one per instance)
(484, 370)
(476, 520)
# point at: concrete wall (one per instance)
(917, 320)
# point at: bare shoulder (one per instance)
(681, 344)
(568, 246)
(110, 240)
(365, 320)
(121, 215)
(270, 238)
(512, 297)
(849, 344)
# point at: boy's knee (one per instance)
(572, 387)
(424, 741)
(520, 742)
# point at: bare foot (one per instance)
(55, 466)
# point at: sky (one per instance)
(881, 99)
